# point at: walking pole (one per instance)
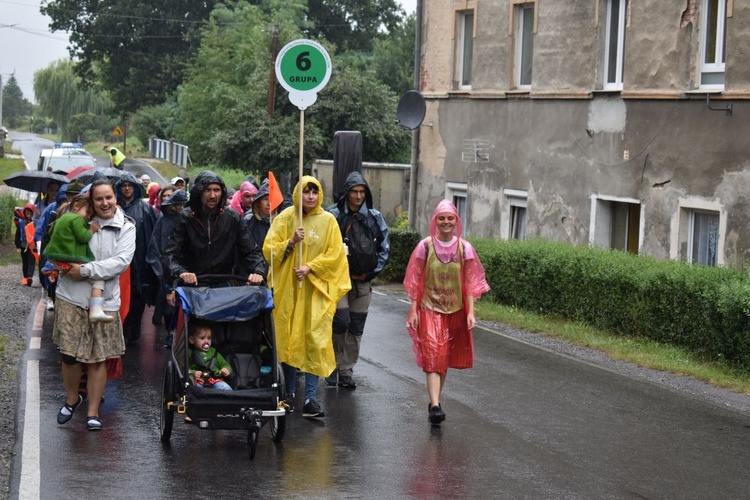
(301, 187)
(270, 221)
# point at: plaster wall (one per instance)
(389, 185)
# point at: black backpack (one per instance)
(361, 243)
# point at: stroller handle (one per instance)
(215, 277)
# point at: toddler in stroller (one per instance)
(208, 368)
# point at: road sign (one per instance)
(117, 131)
(303, 68)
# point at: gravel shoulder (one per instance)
(16, 302)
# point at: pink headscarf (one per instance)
(445, 253)
(153, 194)
(236, 203)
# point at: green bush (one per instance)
(403, 242)
(705, 309)
(7, 206)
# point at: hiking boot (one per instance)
(312, 409)
(347, 382)
(436, 413)
(333, 378)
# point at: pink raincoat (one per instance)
(236, 203)
(441, 340)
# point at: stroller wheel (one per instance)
(278, 428)
(252, 440)
(167, 412)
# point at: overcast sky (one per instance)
(26, 45)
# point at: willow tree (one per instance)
(60, 95)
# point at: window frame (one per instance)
(716, 68)
(516, 199)
(681, 227)
(595, 222)
(455, 190)
(521, 11)
(690, 253)
(461, 38)
(620, 49)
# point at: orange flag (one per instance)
(29, 229)
(274, 193)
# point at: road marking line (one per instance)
(30, 485)
(35, 343)
(39, 315)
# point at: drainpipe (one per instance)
(415, 132)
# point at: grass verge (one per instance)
(11, 165)
(640, 351)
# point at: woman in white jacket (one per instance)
(87, 343)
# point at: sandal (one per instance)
(93, 423)
(66, 412)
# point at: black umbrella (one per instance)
(110, 173)
(34, 181)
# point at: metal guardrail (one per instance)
(170, 151)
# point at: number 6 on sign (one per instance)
(303, 68)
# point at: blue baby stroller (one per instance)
(242, 331)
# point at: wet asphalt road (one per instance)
(524, 423)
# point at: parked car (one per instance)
(64, 157)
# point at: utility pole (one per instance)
(272, 73)
(414, 171)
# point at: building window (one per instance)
(516, 204)
(703, 238)
(524, 44)
(616, 224)
(614, 49)
(713, 44)
(698, 232)
(464, 48)
(456, 192)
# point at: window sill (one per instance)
(702, 91)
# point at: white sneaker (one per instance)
(50, 305)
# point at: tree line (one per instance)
(199, 72)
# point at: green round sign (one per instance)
(303, 67)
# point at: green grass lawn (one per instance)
(10, 165)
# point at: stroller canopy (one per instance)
(238, 303)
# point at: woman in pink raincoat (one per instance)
(443, 278)
(242, 201)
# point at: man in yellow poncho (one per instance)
(303, 314)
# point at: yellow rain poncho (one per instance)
(303, 316)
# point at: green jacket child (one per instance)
(207, 366)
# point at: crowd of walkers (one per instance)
(135, 238)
